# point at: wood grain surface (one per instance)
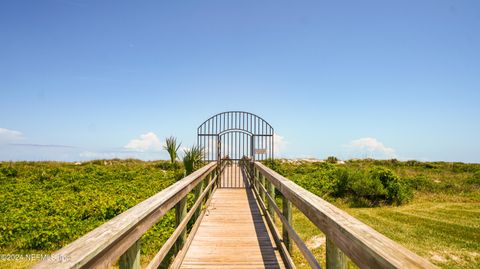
(232, 235)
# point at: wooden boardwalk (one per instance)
(232, 234)
(232, 177)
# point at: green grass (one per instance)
(440, 223)
(447, 233)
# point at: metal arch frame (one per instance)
(236, 111)
(233, 135)
(235, 122)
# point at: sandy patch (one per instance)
(445, 257)
(438, 258)
(315, 242)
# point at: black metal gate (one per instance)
(231, 136)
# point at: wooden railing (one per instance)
(119, 238)
(345, 235)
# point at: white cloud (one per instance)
(146, 142)
(370, 147)
(10, 135)
(279, 144)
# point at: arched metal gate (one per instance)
(232, 135)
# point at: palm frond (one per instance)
(192, 159)
(172, 148)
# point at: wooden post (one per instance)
(131, 258)
(257, 180)
(209, 179)
(287, 213)
(180, 213)
(336, 259)
(218, 173)
(198, 192)
(271, 192)
(262, 181)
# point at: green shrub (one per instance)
(164, 166)
(331, 159)
(475, 179)
(273, 164)
(397, 191)
(367, 186)
(179, 174)
(429, 165)
(393, 162)
(421, 183)
(464, 167)
(9, 171)
(50, 204)
(398, 179)
(342, 177)
(362, 186)
(412, 163)
(192, 160)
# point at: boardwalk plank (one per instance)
(232, 235)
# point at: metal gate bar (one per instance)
(231, 136)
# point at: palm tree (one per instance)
(192, 159)
(172, 148)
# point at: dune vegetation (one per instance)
(46, 205)
(439, 217)
(432, 209)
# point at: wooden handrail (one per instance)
(177, 262)
(253, 181)
(155, 262)
(345, 235)
(366, 247)
(105, 244)
(293, 234)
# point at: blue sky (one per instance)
(101, 79)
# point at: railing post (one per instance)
(271, 192)
(287, 213)
(252, 164)
(336, 259)
(219, 173)
(257, 180)
(180, 212)
(252, 176)
(131, 258)
(262, 181)
(210, 178)
(198, 192)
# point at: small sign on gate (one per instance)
(260, 151)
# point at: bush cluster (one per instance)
(46, 205)
(331, 159)
(371, 187)
(362, 187)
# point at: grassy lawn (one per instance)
(446, 233)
